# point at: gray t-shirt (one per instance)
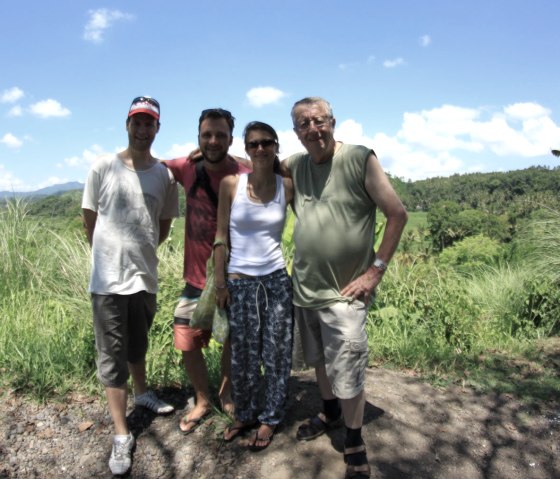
(129, 205)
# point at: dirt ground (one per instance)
(412, 430)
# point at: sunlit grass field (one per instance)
(427, 317)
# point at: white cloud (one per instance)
(100, 20)
(425, 40)
(266, 95)
(453, 139)
(11, 141)
(526, 111)
(16, 111)
(8, 182)
(397, 62)
(49, 108)
(346, 66)
(12, 95)
(87, 158)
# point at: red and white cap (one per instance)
(144, 104)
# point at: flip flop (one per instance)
(238, 431)
(252, 446)
(196, 423)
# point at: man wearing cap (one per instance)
(201, 179)
(128, 203)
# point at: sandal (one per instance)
(315, 426)
(356, 471)
(252, 446)
(196, 422)
(238, 430)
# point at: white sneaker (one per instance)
(121, 456)
(150, 401)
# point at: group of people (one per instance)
(236, 208)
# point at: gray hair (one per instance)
(312, 100)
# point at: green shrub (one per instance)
(472, 253)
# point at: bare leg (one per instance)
(116, 399)
(323, 381)
(225, 384)
(138, 373)
(195, 365)
(353, 410)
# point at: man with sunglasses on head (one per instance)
(128, 203)
(337, 190)
(201, 178)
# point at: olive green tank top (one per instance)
(334, 230)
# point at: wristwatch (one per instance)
(380, 264)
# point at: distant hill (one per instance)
(48, 191)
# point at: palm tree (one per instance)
(555, 152)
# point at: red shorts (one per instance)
(186, 338)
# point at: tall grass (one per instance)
(426, 316)
(47, 344)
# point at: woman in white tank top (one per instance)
(258, 291)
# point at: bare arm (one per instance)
(284, 170)
(289, 190)
(228, 187)
(90, 218)
(380, 190)
(164, 229)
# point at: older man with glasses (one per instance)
(337, 190)
(201, 179)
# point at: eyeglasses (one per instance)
(253, 145)
(147, 99)
(318, 122)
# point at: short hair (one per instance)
(311, 100)
(216, 114)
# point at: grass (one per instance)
(416, 219)
(477, 330)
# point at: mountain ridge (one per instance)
(47, 191)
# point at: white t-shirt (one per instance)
(129, 205)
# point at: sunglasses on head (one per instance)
(253, 145)
(147, 99)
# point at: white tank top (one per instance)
(255, 231)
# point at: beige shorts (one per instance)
(336, 335)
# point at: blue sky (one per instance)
(434, 87)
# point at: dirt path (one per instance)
(411, 430)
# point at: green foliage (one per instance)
(427, 315)
(448, 223)
(541, 241)
(471, 254)
(422, 316)
(496, 193)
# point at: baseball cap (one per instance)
(144, 104)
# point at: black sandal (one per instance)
(315, 427)
(356, 471)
